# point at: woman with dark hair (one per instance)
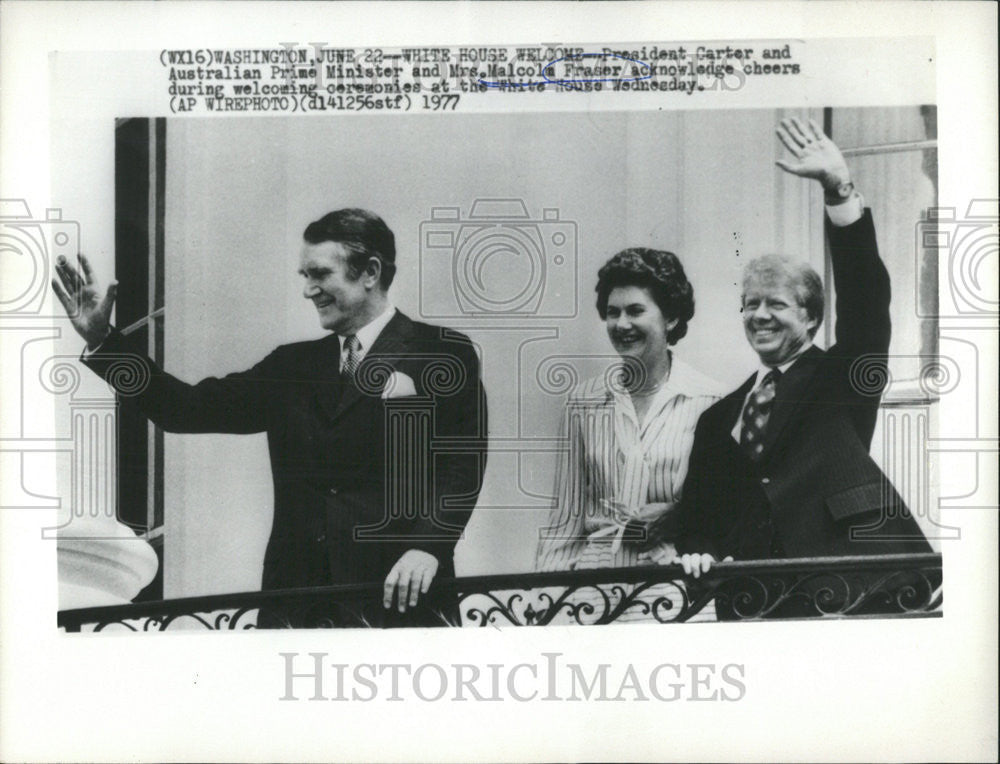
(630, 431)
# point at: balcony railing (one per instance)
(828, 587)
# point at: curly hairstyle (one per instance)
(658, 271)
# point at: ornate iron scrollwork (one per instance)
(885, 585)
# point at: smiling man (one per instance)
(781, 466)
(354, 502)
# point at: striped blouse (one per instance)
(614, 464)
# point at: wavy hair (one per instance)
(364, 234)
(657, 271)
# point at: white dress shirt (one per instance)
(367, 334)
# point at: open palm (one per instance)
(89, 311)
(815, 155)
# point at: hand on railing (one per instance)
(696, 564)
(410, 577)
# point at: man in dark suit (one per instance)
(781, 466)
(360, 493)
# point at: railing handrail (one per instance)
(497, 582)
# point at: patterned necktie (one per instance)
(352, 347)
(756, 413)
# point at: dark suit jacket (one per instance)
(816, 490)
(358, 480)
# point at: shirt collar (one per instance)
(764, 370)
(683, 380)
(368, 333)
(687, 381)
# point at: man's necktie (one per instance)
(756, 413)
(352, 357)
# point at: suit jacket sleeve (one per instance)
(862, 284)
(693, 535)
(237, 403)
(863, 328)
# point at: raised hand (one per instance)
(89, 311)
(815, 155)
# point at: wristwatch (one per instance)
(840, 194)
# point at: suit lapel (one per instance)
(790, 395)
(328, 391)
(734, 408)
(387, 348)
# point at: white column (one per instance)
(101, 561)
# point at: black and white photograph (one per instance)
(377, 371)
(538, 378)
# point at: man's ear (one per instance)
(373, 273)
(812, 325)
